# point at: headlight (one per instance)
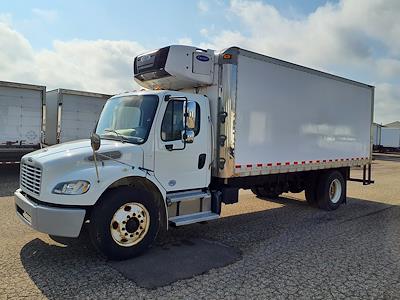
(75, 187)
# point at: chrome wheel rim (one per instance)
(335, 191)
(130, 224)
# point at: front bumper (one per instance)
(56, 221)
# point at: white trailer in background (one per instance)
(376, 133)
(71, 115)
(21, 119)
(390, 138)
(208, 124)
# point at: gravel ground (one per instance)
(9, 179)
(289, 250)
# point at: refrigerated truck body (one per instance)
(71, 115)
(207, 124)
(21, 112)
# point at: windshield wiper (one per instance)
(122, 139)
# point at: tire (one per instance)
(124, 223)
(296, 189)
(254, 191)
(263, 193)
(331, 190)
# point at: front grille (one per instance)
(30, 178)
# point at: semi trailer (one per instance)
(71, 115)
(21, 119)
(389, 139)
(376, 135)
(385, 138)
(207, 124)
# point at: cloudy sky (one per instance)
(90, 45)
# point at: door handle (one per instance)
(169, 147)
(202, 161)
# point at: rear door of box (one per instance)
(79, 116)
(20, 116)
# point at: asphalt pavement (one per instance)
(288, 250)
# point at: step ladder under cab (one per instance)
(190, 207)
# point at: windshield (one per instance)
(128, 118)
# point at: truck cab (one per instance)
(153, 159)
(175, 151)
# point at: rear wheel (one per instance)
(124, 223)
(331, 190)
(296, 189)
(264, 193)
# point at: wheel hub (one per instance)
(130, 224)
(335, 191)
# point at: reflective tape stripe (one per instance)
(325, 163)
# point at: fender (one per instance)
(147, 176)
(163, 192)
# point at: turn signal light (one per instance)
(227, 56)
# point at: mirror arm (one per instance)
(95, 142)
(95, 165)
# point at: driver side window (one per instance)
(173, 122)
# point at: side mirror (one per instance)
(190, 115)
(187, 136)
(95, 141)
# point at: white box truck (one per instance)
(21, 112)
(208, 124)
(71, 115)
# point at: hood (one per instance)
(74, 161)
(76, 153)
(68, 146)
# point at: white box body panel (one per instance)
(72, 115)
(289, 115)
(21, 114)
(390, 137)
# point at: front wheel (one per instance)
(124, 223)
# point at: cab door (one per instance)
(180, 165)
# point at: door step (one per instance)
(193, 218)
(186, 196)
